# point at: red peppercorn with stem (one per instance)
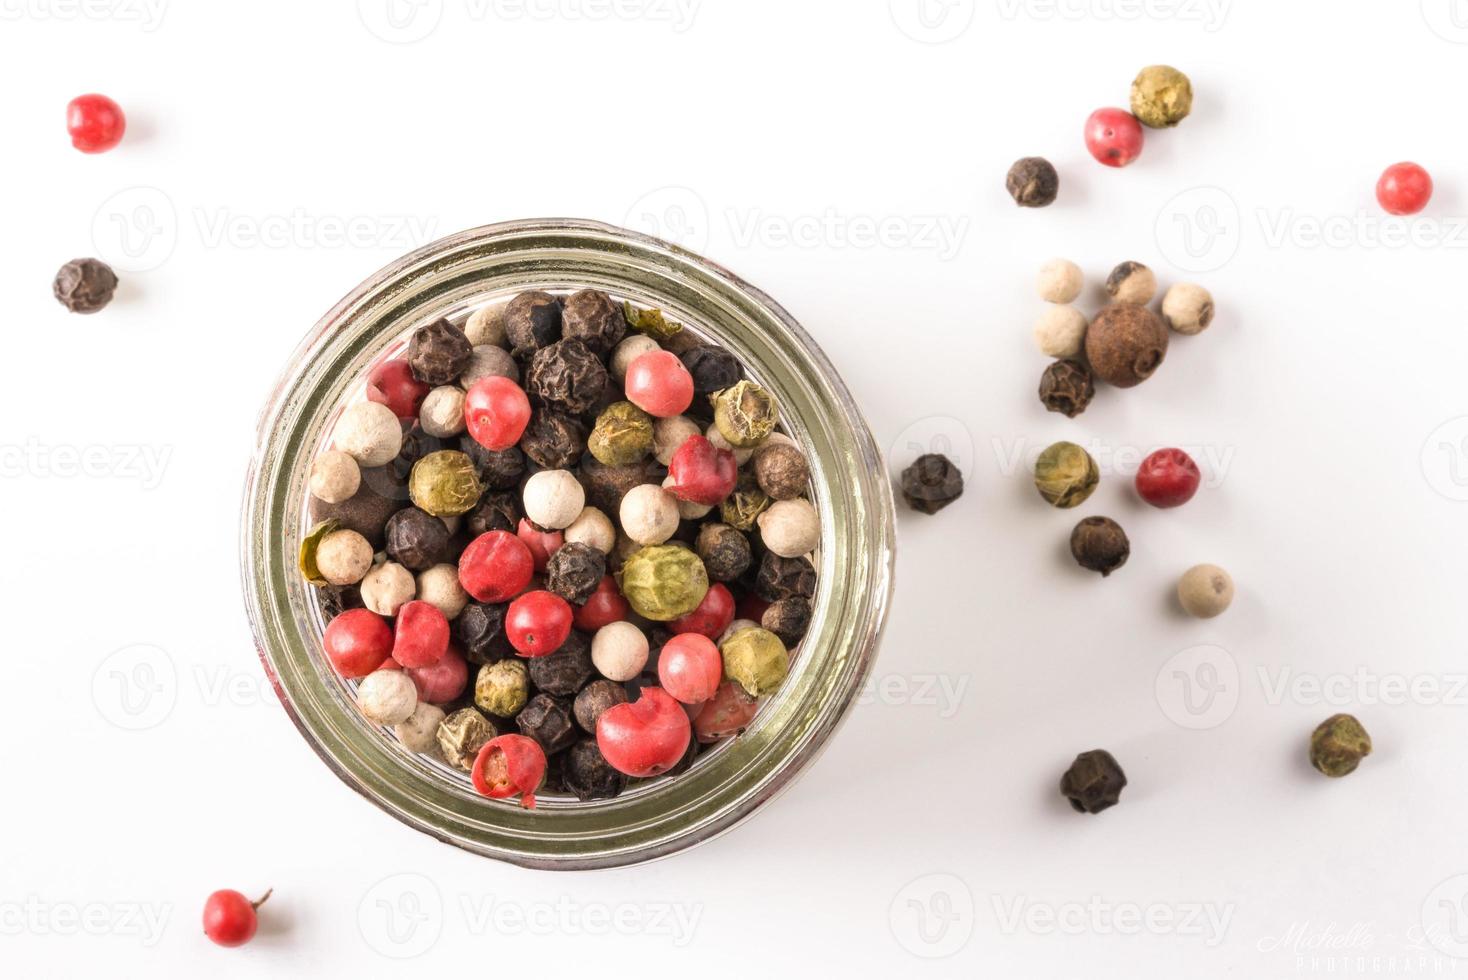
(712, 615)
(496, 567)
(701, 472)
(1168, 478)
(231, 919)
(1114, 137)
(542, 544)
(659, 384)
(391, 383)
(1404, 188)
(644, 737)
(537, 623)
(507, 766)
(606, 605)
(690, 668)
(357, 642)
(422, 636)
(95, 122)
(496, 412)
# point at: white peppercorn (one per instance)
(489, 361)
(439, 586)
(1060, 331)
(670, 433)
(387, 587)
(592, 527)
(387, 697)
(420, 732)
(790, 528)
(687, 509)
(442, 412)
(1060, 281)
(335, 476)
(1187, 308)
(343, 557)
(553, 498)
(628, 351)
(486, 326)
(741, 454)
(649, 514)
(1132, 282)
(369, 433)
(1205, 591)
(619, 651)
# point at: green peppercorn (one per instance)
(1162, 96)
(745, 504)
(502, 688)
(755, 659)
(663, 581)
(745, 414)
(1338, 745)
(445, 483)
(1065, 475)
(461, 735)
(622, 436)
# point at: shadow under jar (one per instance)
(451, 278)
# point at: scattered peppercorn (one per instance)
(589, 315)
(745, 414)
(1168, 478)
(1126, 344)
(1404, 188)
(1032, 182)
(95, 123)
(1065, 475)
(438, 353)
(931, 483)
(1093, 782)
(84, 285)
(445, 484)
(566, 375)
(1131, 282)
(623, 435)
(755, 659)
(230, 919)
(1099, 544)
(480, 632)
(1338, 745)
(788, 619)
(1060, 331)
(596, 698)
(781, 471)
(1205, 591)
(461, 735)
(1187, 308)
(1060, 281)
(566, 671)
(1066, 387)
(416, 540)
(724, 550)
(574, 571)
(1161, 96)
(1113, 137)
(532, 321)
(713, 369)
(548, 720)
(779, 578)
(663, 582)
(588, 775)
(502, 688)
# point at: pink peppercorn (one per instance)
(659, 384)
(1168, 478)
(441, 682)
(422, 635)
(496, 567)
(1114, 137)
(509, 765)
(357, 642)
(690, 668)
(1404, 188)
(95, 122)
(701, 472)
(392, 383)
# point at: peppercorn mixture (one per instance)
(502, 566)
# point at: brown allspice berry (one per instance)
(1066, 387)
(1099, 544)
(1125, 344)
(781, 470)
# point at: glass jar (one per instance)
(451, 277)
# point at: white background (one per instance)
(1327, 405)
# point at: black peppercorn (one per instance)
(595, 698)
(566, 671)
(779, 578)
(439, 353)
(553, 440)
(548, 720)
(532, 321)
(931, 483)
(1099, 543)
(497, 469)
(725, 551)
(574, 572)
(378, 497)
(1066, 387)
(589, 315)
(416, 540)
(788, 619)
(1032, 182)
(713, 369)
(337, 599)
(84, 285)
(494, 512)
(1093, 782)
(567, 375)
(586, 773)
(607, 485)
(480, 632)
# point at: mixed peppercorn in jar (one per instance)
(561, 544)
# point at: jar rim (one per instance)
(856, 557)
